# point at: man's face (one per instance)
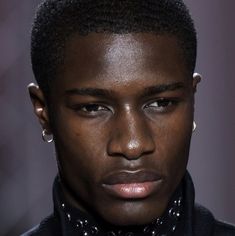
(122, 114)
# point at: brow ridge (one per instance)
(99, 92)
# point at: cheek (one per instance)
(172, 139)
(80, 148)
(81, 163)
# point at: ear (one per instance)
(40, 107)
(196, 80)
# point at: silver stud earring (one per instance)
(194, 126)
(48, 138)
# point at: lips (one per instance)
(132, 185)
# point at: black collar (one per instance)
(189, 225)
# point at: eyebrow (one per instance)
(95, 92)
(163, 88)
(149, 91)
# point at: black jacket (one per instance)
(196, 220)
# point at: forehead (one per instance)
(113, 47)
(118, 57)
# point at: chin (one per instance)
(130, 213)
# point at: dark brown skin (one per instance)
(128, 125)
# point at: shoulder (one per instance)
(48, 227)
(223, 229)
(204, 218)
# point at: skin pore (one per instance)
(121, 106)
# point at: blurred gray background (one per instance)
(27, 165)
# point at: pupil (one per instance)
(92, 108)
(163, 103)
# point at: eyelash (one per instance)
(165, 104)
(93, 109)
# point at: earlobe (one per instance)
(39, 104)
(196, 79)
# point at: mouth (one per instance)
(132, 185)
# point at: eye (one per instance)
(161, 105)
(91, 109)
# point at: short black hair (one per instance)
(57, 20)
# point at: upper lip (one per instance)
(127, 177)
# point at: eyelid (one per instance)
(170, 103)
(157, 100)
(79, 107)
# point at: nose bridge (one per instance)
(131, 136)
(134, 129)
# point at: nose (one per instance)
(130, 137)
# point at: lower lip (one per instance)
(133, 190)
